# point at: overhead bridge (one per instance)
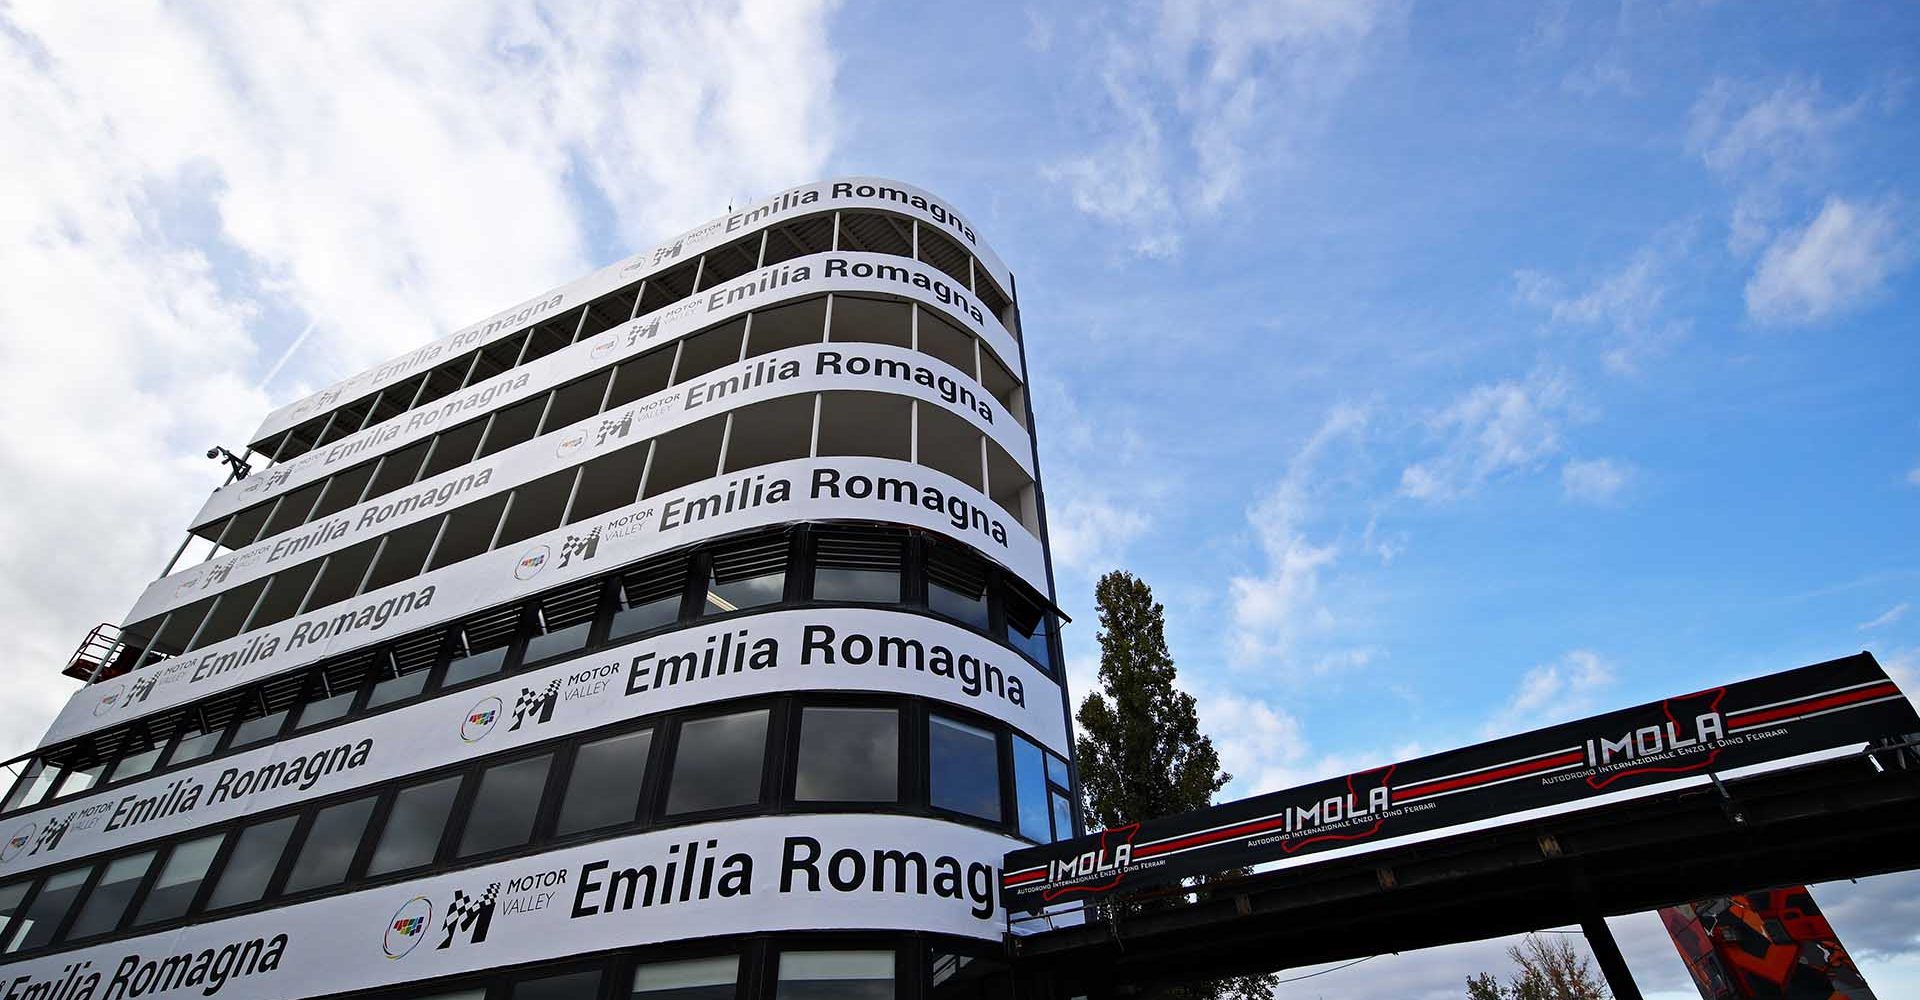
(1850, 814)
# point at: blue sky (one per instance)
(1447, 369)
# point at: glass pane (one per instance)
(57, 895)
(412, 833)
(848, 755)
(563, 640)
(692, 979)
(1057, 771)
(604, 787)
(1030, 791)
(179, 879)
(325, 709)
(136, 764)
(248, 869)
(397, 689)
(832, 583)
(10, 897)
(81, 779)
(964, 768)
(572, 986)
(194, 747)
(480, 664)
(836, 975)
(1062, 816)
(718, 762)
(641, 617)
(33, 785)
(502, 813)
(258, 728)
(330, 845)
(1027, 631)
(107, 903)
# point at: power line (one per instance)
(1322, 972)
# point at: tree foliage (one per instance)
(1141, 751)
(1542, 971)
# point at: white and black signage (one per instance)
(854, 488)
(844, 194)
(1834, 704)
(825, 649)
(796, 370)
(797, 278)
(775, 873)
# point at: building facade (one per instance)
(686, 631)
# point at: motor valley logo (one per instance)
(1841, 703)
(613, 428)
(481, 719)
(408, 927)
(536, 704)
(585, 546)
(469, 916)
(532, 562)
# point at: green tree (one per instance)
(1141, 751)
(1543, 971)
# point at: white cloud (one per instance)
(1194, 95)
(1491, 430)
(1266, 748)
(1552, 692)
(1271, 610)
(1837, 263)
(1090, 534)
(1779, 134)
(188, 188)
(1903, 665)
(1627, 306)
(1887, 617)
(1913, 476)
(1595, 481)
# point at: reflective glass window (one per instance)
(604, 787)
(963, 768)
(179, 880)
(250, 866)
(413, 829)
(689, 979)
(848, 755)
(835, 975)
(330, 845)
(107, 903)
(503, 812)
(717, 762)
(1030, 791)
(43, 916)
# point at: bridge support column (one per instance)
(1606, 951)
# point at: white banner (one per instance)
(776, 873)
(825, 649)
(797, 370)
(797, 278)
(807, 489)
(848, 193)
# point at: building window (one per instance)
(258, 728)
(835, 975)
(957, 587)
(650, 597)
(244, 877)
(1028, 631)
(194, 744)
(964, 768)
(480, 647)
(137, 762)
(503, 811)
(688, 979)
(604, 788)
(856, 567)
(717, 762)
(1030, 791)
(330, 845)
(10, 897)
(562, 623)
(746, 576)
(179, 881)
(325, 703)
(570, 986)
(107, 903)
(34, 784)
(848, 755)
(411, 836)
(43, 916)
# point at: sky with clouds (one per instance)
(1447, 370)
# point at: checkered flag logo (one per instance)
(578, 546)
(613, 428)
(141, 688)
(469, 915)
(50, 834)
(536, 704)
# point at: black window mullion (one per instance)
(215, 870)
(161, 853)
(79, 901)
(290, 852)
(370, 836)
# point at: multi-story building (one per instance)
(686, 631)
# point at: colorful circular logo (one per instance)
(480, 719)
(532, 562)
(605, 347)
(408, 927)
(570, 444)
(108, 700)
(18, 841)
